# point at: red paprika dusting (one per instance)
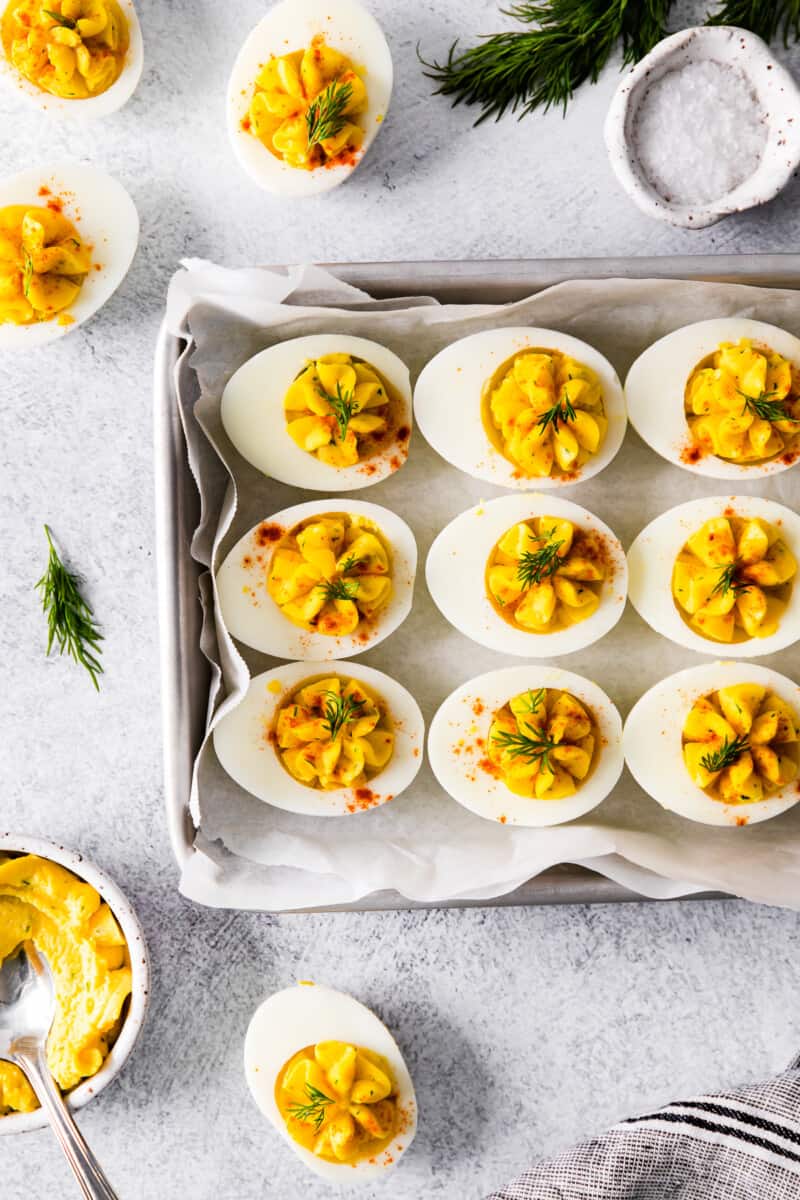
(44, 190)
(267, 534)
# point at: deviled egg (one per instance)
(330, 1078)
(720, 398)
(68, 235)
(328, 412)
(322, 739)
(527, 745)
(512, 405)
(326, 579)
(720, 570)
(719, 744)
(534, 576)
(308, 95)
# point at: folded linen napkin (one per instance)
(738, 1145)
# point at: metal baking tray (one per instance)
(184, 671)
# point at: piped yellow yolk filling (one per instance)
(71, 48)
(542, 744)
(740, 744)
(733, 579)
(545, 413)
(43, 264)
(338, 1101)
(338, 410)
(545, 575)
(77, 933)
(743, 404)
(331, 574)
(333, 734)
(306, 104)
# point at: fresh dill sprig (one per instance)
(339, 589)
(562, 411)
(340, 711)
(343, 405)
(767, 18)
(350, 563)
(728, 582)
(326, 114)
(536, 565)
(67, 22)
(70, 621)
(314, 1112)
(27, 275)
(521, 745)
(764, 406)
(727, 754)
(533, 700)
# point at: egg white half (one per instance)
(459, 734)
(104, 216)
(243, 746)
(447, 403)
(456, 575)
(254, 418)
(656, 383)
(251, 615)
(302, 1016)
(653, 749)
(290, 26)
(651, 560)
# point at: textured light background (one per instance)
(524, 1029)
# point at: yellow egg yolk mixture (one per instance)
(339, 409)
(542, 744)
(306, 105)
(733, 579)
(331, 574)
(740, 744)
(743, 403)
(332, 733)
(43, 264)
(72, 48)
(545, 574)
(77, 933)
(338, 1101)
(544, 412)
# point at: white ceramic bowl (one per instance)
(778, 98)
(103, 105)
(12, 843)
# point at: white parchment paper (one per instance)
(425, 845)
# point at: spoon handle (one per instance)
(88, 1172)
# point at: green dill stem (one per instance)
(340, 711)
(520, 745)
(67, 22)
(70, 621)
(326, 116)
(343, 406)
(727, 754)
(764, 406)
(728, 582)
(536, 565)
(314, 1111)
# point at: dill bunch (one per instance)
(767, 18)
(70, 621)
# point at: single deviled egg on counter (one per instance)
(719, 744)
(326, 412)
(67, 238)
(531, 575)
(720, 570)
(512, 405)
(720, 398)
(326, 579)
(527, 745)
(308, 94)
(331, 1079)
(323, 739)
(72, 57)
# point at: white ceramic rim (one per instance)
(13, 843)
(671, 360)
(461, 552)
(671, 785)
(107, 102)
(651, 567)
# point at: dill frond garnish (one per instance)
(527, 747)
(728, 582)
(339, 589)
(536, 565)
(534, 700)
(764, 406)
(343, 406)
(767, 18)
(727, 754)
(70, 621)
(350, 563)
(314, 1112)
(563, 411)
(67, 22)
(326, 114)
(340, 711)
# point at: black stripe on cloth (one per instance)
(735, 1114)
(712, 1127)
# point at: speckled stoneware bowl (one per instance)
(12, 843)
(778, 98)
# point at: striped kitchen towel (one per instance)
(738, 1145)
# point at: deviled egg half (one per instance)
(719, 744)
(68, 235)
(534, 576)
(328, 412)
(322, 580)
(308, 95)
(527, 745)
(322, 739)
(720, 571)
(512, 405)
(720, 398)
(330, 1078)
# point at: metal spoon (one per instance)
(27, 1004)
